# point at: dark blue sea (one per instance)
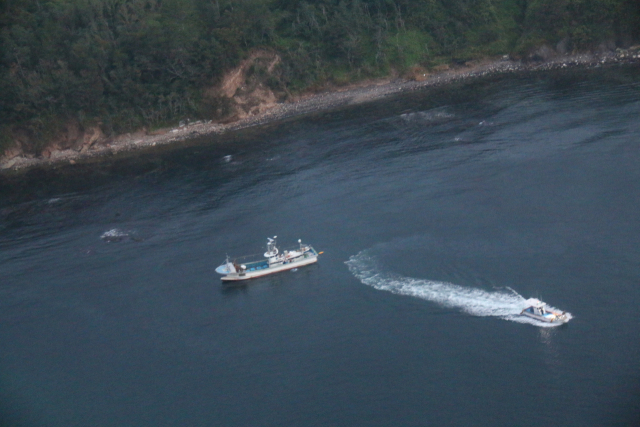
(440, 213)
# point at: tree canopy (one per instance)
(128, 63)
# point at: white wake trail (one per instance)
(476, 302)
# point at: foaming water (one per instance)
(473, 301)
(434, 116)
(114, 235)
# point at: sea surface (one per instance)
(440, 213)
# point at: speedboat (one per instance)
(273, 261)
(540, 311)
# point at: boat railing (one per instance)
(247, 258)
(308, 248)
(259, 258)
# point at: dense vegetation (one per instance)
(128, 63)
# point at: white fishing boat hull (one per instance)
(547, 319)
(539, 311)
(233, 277)
(273, 261)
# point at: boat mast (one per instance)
(272, 250)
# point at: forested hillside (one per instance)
(131, 63)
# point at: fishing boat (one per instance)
(273, 261)
(538, 310)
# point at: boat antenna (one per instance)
(271, 247)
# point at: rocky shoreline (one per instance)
(325, 101)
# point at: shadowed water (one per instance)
(440, 213)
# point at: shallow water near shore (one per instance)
(440, 212)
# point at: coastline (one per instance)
(328, 100)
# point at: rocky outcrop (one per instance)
(566, 47)
(13, 152)
(251, 88)
(71, 138)
(91, 136)
(545, 53)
